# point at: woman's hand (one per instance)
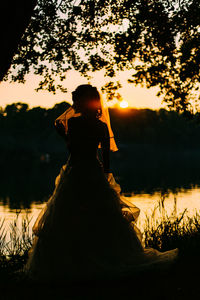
(60, 128)
(108, 175)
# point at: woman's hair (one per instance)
(86, 100)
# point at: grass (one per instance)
(163, 234)
(170, 232)
(173, 232)
(14, 246)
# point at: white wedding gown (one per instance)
(86, 231)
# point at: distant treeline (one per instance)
(32, 130)
(161, 127)
(157, 150)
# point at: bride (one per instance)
(87, 229)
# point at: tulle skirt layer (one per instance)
(88, 231)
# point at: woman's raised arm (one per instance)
(105, 147)
(60, 128)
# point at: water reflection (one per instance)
(23, 183)
(172, 204)
(168, 184)
(157, 204)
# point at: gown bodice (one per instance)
(84, 136)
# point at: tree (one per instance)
(157, 39)
(12, 28)
(11, 110)
(177, 72)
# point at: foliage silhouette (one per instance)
(157, 40)
(12, 29)
(137, 126)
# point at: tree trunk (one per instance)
(14, 18)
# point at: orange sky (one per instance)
(13, 92)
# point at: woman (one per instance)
(86, 230)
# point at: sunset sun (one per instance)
(123, 104)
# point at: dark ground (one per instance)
(180, 282)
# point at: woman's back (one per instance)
(84, 136)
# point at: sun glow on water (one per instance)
(123, 104)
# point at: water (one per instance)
(171, 203)
(148, 176)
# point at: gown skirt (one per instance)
(87, 230)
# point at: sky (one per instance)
(137, 97)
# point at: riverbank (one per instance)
(180, 282)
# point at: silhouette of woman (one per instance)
(87, 229)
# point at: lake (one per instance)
(167, 181)
(171, 204)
